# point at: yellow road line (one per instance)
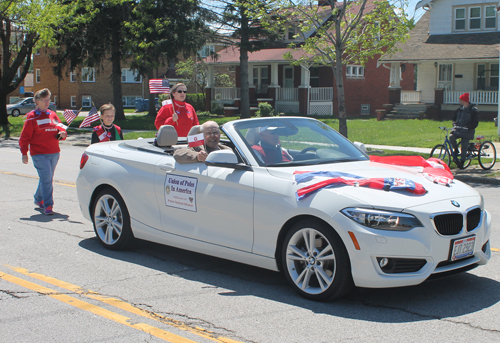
(494, 249)
(125, 306)
(154, 331)
(58, 182)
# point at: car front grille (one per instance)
(473, 219)
(449, 224)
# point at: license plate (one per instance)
(462, 247)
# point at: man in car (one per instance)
(269, 148)
(211, 134)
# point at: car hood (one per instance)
(10, 106)
(391, 200)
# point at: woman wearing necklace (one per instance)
(179, 114)
(107, 131)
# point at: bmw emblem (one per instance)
(454, 203)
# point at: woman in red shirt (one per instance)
(41, 133)
(179, 113)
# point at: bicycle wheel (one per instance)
(487, 155)
(440, 151)
(470, 156)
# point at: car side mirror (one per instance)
(225, 159)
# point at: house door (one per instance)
(445, 77)
(288, 77)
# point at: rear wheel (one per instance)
(315, 261)
(440, 151)
(111, 220)
(16, 113)
(487, 155)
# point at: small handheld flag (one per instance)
(91, 117)
(159, 86)
(196, 140)
(69, 115)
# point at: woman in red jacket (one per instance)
(41, 134)
(179, 113)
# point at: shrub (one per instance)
(265, 110)
(197, 101)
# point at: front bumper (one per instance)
(422, 246)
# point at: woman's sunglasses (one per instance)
(179, 91)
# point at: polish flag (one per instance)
(196, 140)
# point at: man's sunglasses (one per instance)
(179, 91)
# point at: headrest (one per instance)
(167, 136)
(194, 130)
(252, 136)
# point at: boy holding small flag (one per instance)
(107, 131)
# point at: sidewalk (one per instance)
(473, 174)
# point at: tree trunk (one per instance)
(339, 82)
(245, 94)
(4, 120)
(152, 108)
(116, 76)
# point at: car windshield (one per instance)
(296, 141)
(18, 101)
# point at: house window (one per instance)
(128, 101)
(490, 17)
(130, 76)
(314, 76)
(86, 100)
(291, 32)
(13, 99)
(487, 77)
(494, 77)
(37, 75)
(475, 18)
(288, 77)
(206, 51)
(481, 77)
(355, 71)
(261, 79)
(88, 74)
(73, 101)
(459, 19)
(72, 76)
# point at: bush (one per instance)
(197, 101)
(265, 110)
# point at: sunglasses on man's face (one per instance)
(179, 91)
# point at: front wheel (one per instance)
(111, 220)
(315, 261)
(440, 151)
(16, 113)
(487, 155)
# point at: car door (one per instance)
(27, 106)
(208, 204)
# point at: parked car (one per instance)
(25, 105)
(320, 215)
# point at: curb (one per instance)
(478, 179)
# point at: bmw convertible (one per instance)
(309, 203)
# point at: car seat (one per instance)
(166, 138)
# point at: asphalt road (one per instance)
(57, 284)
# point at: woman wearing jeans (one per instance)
(41, 133)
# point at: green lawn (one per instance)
(409, 133)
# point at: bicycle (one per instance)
(484, 151)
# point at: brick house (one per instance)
(89, 85)
(455, 46)
(294, 89)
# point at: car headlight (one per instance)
(382, 220)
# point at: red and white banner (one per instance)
(196, 140)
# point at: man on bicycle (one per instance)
(465, 120)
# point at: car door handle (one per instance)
(168, 167)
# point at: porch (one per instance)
(451, 97)
(313, 101)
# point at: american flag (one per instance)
(69, 115)
(91, 117)
(159, 86)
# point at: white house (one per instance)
(455, 46)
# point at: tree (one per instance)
(251, 22)
(348, 32)
(159, 31)
(25, 26)
(93, 34)
(197, 73)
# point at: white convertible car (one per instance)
(321, 212)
